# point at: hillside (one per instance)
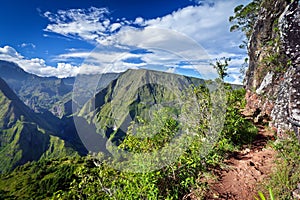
(48, 94)
(272, 83)
(24, 135)
(72, 178)
(135, 93)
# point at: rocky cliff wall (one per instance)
(273, 77)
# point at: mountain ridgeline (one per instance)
(106, 112)
(49, 120)
(39, 93)
(37, 120)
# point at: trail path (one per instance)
(245, 170)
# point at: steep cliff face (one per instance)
(273, 77)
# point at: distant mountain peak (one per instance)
(11, 65)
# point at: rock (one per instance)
(275, 93)
(267, 81)
(296, 194)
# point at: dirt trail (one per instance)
(245, 169)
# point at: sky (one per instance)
(64, 38)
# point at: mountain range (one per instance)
(44, 117)
(24, 134)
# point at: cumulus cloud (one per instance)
(91, 24)
(165, 48)
(205, 23)
(36, 65)
(9, 51)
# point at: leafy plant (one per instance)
(244, 18)
(221, 65)
(262, 197)
(95, 178)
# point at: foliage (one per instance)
(275, 60)
(244, 68)
(245, 17)
(95, 178)
(38, 180)
(221, 65)
(262, 196)
(153, 134)
(286, 176)
(237, 129)
(22, 130)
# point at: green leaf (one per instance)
(261, 195)
(271, 194)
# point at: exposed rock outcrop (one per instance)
(273, 77)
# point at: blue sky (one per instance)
(56, 38)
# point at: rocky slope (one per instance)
(272, 79)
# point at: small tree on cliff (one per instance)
(221, 65)
(244, 18)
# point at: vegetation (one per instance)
(96, 178)
(57, 175)
(39, 93)
(244, 18)
(286, 176)
(275, 59)
(135, 93)
(262, 196)
(24, 136)
(221, 65)
(39, 180)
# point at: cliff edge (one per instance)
(273, 77)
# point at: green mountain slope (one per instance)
(135, 93)
(49, 94)
(39, 93)
(24, 135)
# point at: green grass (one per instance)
(286, 175)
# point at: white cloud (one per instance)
(36, 65)
(140, 21)
(90, 24)
(9, 51)
(205, 24)
(23, 45)
(115, 26)
(73, 54)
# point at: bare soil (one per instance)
(246, 169)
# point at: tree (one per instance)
(221, 65)
(244, 18)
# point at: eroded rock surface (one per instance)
(273, 86)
